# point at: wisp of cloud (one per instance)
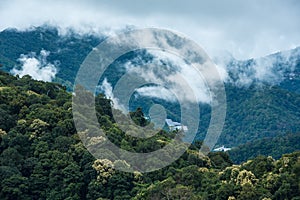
(36, 66)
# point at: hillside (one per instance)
(42, 157)
(255, 113)
(274, 147)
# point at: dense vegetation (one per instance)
(257, 112)
(42, 157)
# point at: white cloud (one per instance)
(36, 66)
(244, 28)
(157, 92)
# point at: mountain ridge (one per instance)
(254, 110)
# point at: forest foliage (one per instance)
(274, 147)
(42, 157)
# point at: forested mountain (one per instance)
(42, 157)
(259, 104)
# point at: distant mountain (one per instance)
(263, 95)
(69, 50)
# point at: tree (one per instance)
(15, 187)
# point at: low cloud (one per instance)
(174, 78)
(36, 66)
(107, 89)
(157, 92)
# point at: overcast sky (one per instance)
(245, 28)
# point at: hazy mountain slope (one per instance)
(282, 68)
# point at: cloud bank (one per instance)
(246, 29)
(168, 74)
(36, 66)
